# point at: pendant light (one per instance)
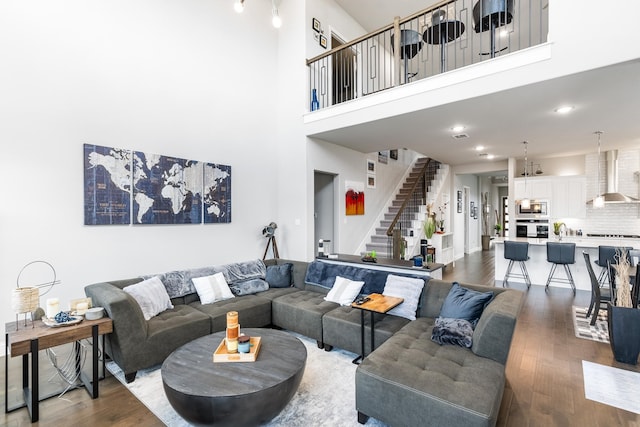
(525, 203)
(598, 202)
(276, 21)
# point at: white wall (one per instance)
(174, 78)
(351, 165)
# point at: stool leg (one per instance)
(506, 276)
(570, 277)
(553, 269)
(525, 273)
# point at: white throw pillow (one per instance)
(408, 288)
(344, 291)
(212, 288)
(151, 296)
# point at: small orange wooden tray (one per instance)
(221, 355)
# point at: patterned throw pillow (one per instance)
(408, 288)
(151, 296)
(249, 287)
(453, 331)
(212, 288)
(344, 291)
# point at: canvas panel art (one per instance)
(166, 190)
(107, 185)
(217, 193)
(354, 193)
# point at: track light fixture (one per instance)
(276, 21)
(275, 17)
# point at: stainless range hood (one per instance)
(612, 195)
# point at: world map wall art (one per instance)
(133, 187)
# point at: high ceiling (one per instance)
(606, 99)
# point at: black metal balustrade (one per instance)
(411, 199)
(444, 37)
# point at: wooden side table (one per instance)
(30, 340)
(377, 303)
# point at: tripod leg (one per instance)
(275, 248)
(266, 249)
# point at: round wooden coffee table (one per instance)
(234, 393)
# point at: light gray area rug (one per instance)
(583, 329)
(612, 386)
(326, 395)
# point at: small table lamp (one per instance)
(25, 300)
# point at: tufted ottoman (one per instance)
(410, 380)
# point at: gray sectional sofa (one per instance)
(408, 380)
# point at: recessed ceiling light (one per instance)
(457, 128)
(479, 148)
(564, 109)
(490, 157)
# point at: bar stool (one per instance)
(562, 254)
(410, 45)
(516, 252)
(441, 32)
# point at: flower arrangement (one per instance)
(622, 269)
(430, 223)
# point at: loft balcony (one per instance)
(447, 36)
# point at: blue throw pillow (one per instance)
(279, 276)
(463, 303)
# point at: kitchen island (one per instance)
(539, 268)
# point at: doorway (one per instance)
(467, 214)
(324, 211)
(343, 72)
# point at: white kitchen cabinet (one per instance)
(569, 198)
(536, 188)
(443, 244)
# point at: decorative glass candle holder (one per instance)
(244, 344)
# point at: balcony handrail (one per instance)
(394, 25)
(409, 195)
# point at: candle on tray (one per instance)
(233, 330)
(53, 307)
(81, 308)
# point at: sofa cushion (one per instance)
(452, 331)
(151, 296)
(344, 291)
(249, 287)
(178, 283)
(212, 288)
(253, 312)
(404, 287)
(464, 303)
(241, 271)
(302, 312)
(279, 276)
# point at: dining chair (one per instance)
(599, 296)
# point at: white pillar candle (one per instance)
(53, 307)
(81, 308)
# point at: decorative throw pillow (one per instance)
(452, 331)
(151, 296)
(249, 287)
(279, 276)
(344, 291)
(212, 288)
(463, 303)
(408, 288)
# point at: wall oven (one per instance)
(536, 209)
(532, 228)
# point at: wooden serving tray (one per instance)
(221, 355)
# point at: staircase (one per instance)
(414, 195)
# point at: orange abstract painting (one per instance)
(354, 201)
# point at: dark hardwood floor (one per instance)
(544, 372)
